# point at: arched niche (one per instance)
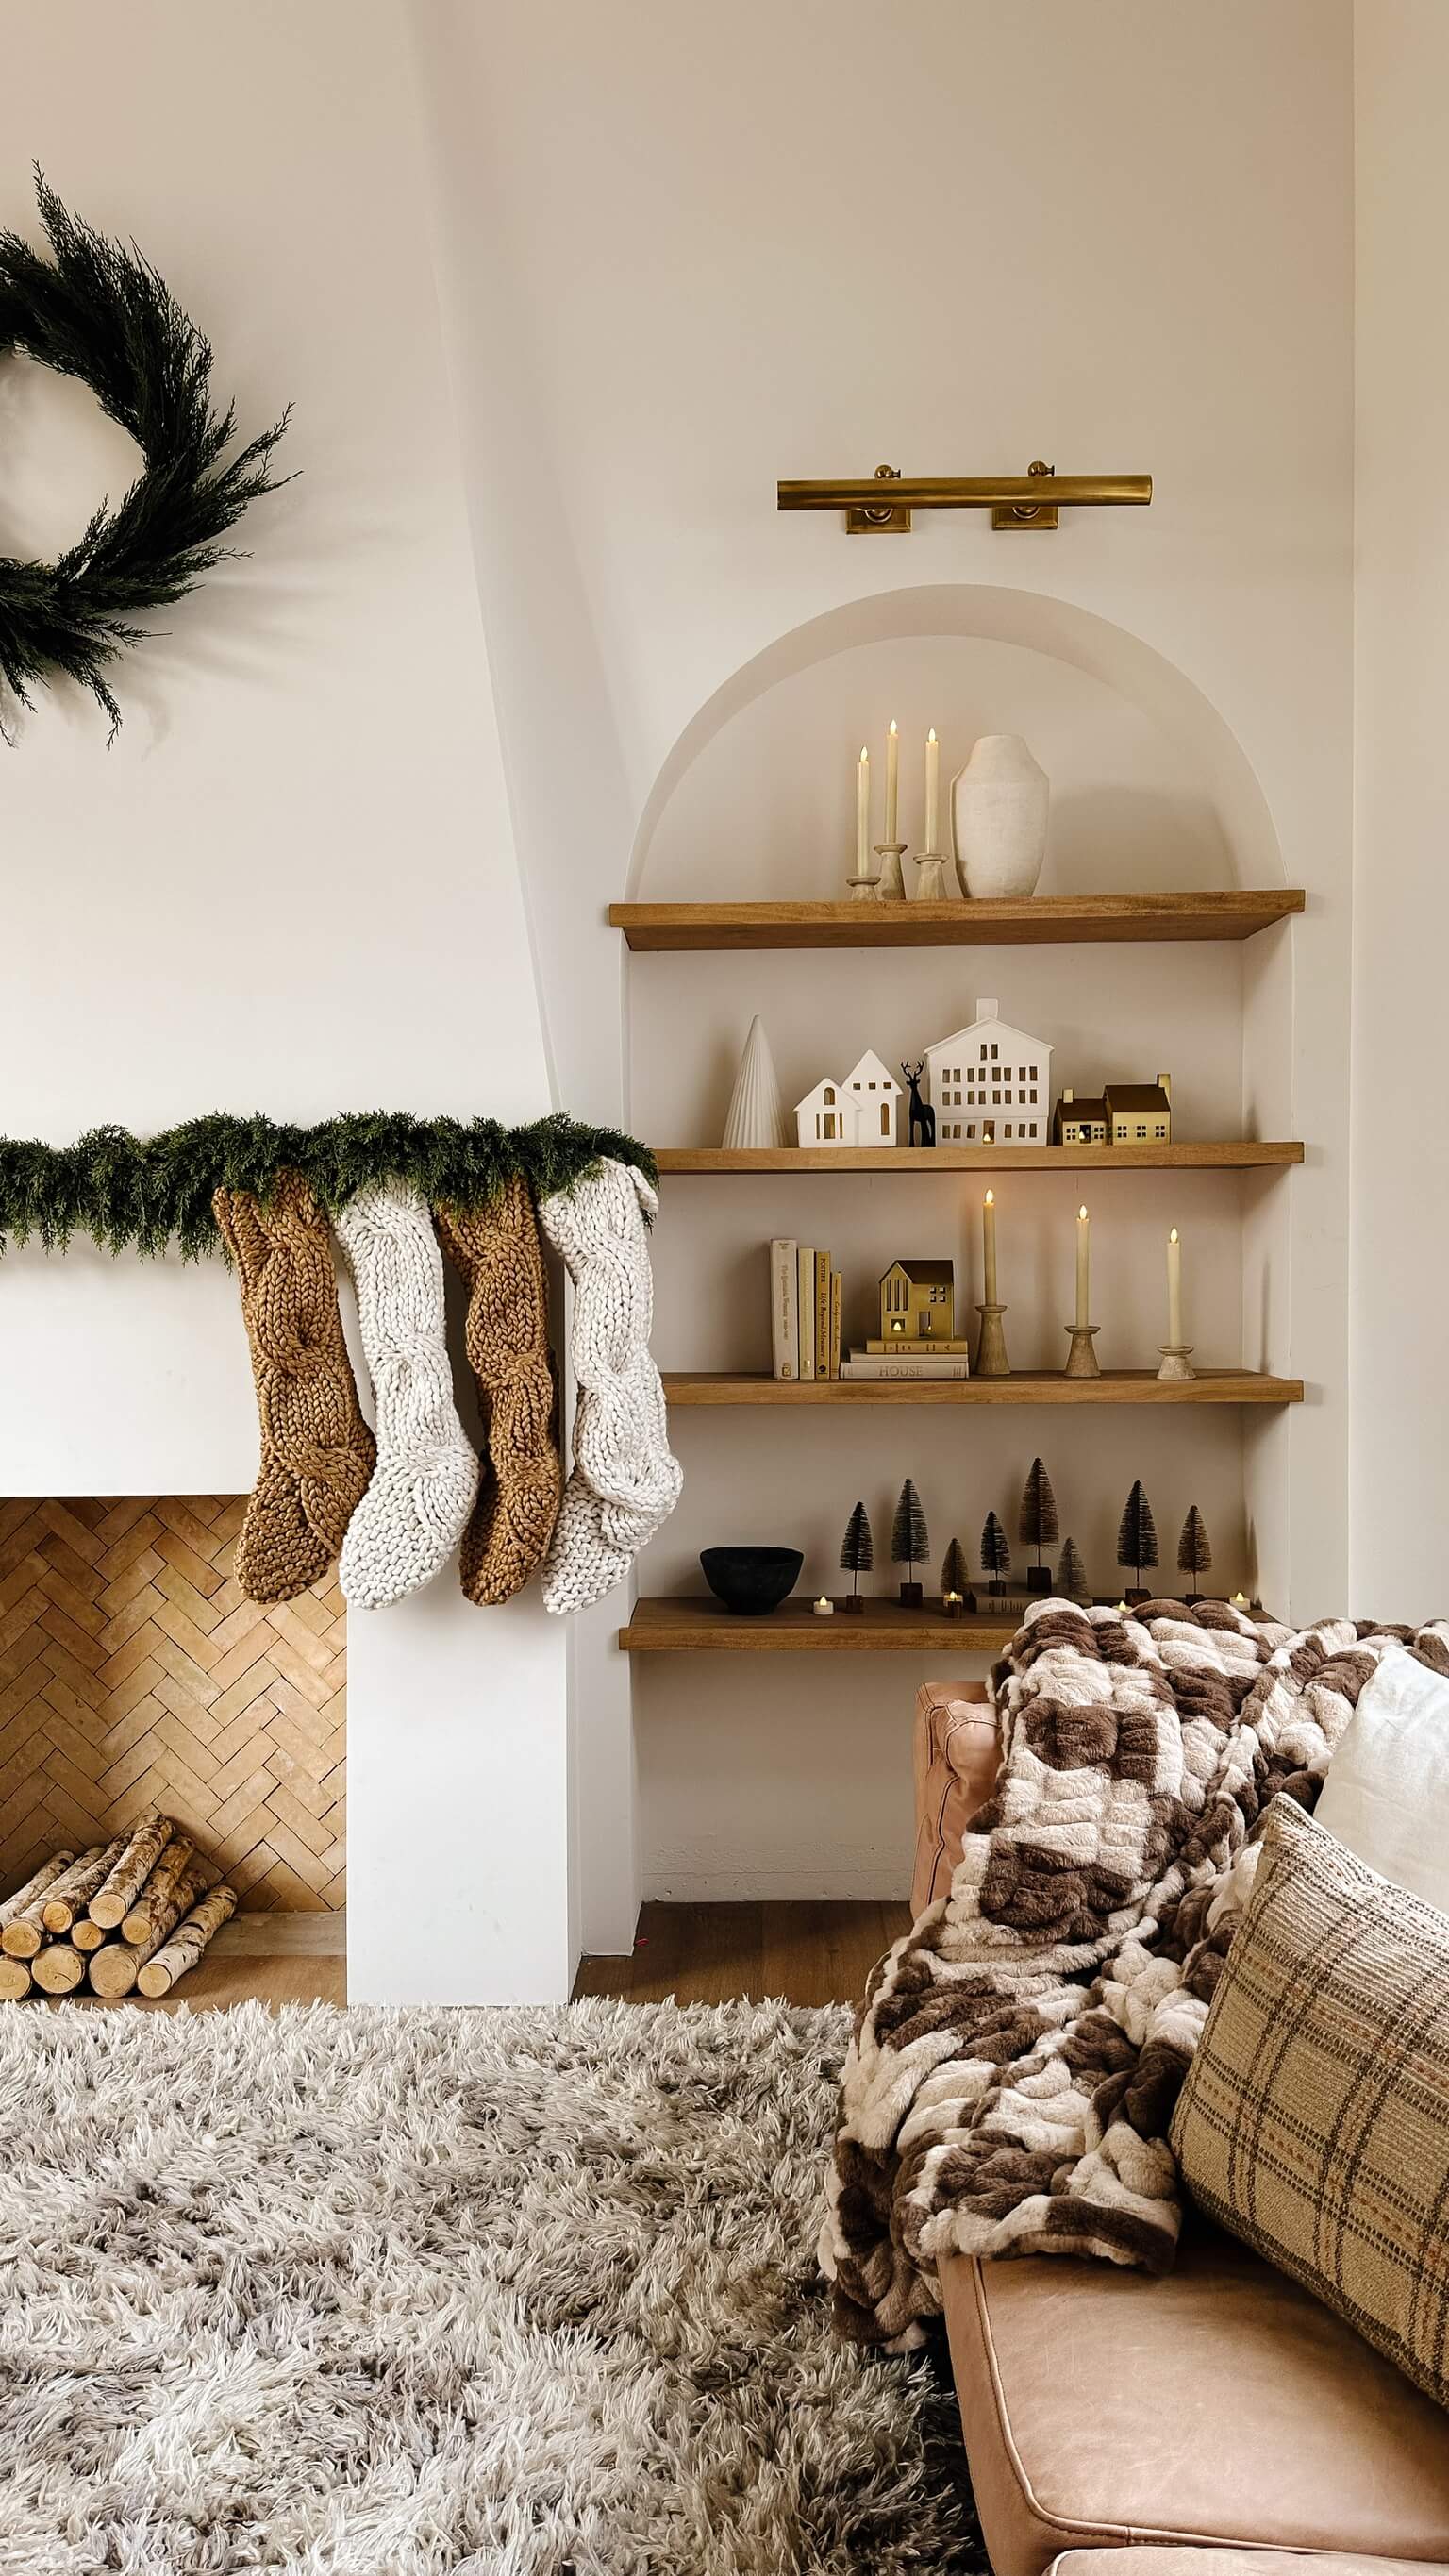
(1150, 789)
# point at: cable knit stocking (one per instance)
(624, 1483)
(317, 1451)
(413, 1513)
(497, 1251)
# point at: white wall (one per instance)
(292, 882)
(699, 254)
(1400, 1486)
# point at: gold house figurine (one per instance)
(918, 1302)
(1140, 1113)
(1079, 1122)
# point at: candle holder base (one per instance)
(892, 883)
(1082, 1360)
(991, 1359)
(931, 879)
(1176, 1360)
(853, 1604)
(863, 889)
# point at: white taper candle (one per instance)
(1084, 1267)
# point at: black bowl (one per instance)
(751, 1580)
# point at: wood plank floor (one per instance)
(817, 1953)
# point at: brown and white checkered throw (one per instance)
(1314, 2122)
(1020, 2052)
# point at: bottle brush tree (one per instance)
(1037, 1525)
(857, 1548)
(1072, 1575)
(1137, 1535)
(953, 1571)
(910, 1539)
(1194, 1550)
(995, 1554)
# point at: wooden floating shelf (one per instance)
(1024, 1386)
(795, 1159)
(1036, 921)
(693, 1627)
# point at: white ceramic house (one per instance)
(861, 1110)
(874, 1091)
(991, 1084)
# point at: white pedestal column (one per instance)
(458, 1803)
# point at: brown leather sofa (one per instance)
(1215, 2423)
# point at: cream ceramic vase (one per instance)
(999, 818)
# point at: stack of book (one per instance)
(804, 1311)
(908, 1359)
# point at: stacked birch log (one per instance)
(129, 1916)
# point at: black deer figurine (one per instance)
(923, 1115)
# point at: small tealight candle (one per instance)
(951, 1604)
(1240, 1600)
(824, 1609)
(1122, 1608)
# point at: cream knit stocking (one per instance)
(624, 1483)
(414, 1511)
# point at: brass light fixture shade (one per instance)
(883, 505)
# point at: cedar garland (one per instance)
(130, 1193)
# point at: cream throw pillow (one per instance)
(1387, 1791)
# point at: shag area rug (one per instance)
(530, 2292)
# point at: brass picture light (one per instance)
(1029, 500)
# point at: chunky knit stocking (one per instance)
(624, 1483)
(413, 1512)
(497, 1251)
(317, 1452)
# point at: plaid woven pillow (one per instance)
(1314, 2122)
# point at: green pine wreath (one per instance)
(100, 312)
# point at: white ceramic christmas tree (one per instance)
(756, 1112)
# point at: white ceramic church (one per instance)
(861, 1110)
(991, 1084)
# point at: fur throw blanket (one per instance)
(1017, 2059)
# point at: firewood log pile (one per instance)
(128, 1917)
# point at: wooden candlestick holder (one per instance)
(892, 883)
(863, 889)
(1176, 1360)
(991, 1359)
(1082, 1360)
(931, 878)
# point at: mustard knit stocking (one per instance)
(316, 1450)
(497, 1252)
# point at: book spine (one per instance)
(932, 1370)
(836, 1288)
(934, 1349)
(805, 1271)
(784, 1315)
(822, 1314)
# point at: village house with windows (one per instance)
(1080, 1122)
(918, 1301)
(861, 1110)
(1140, 1113)
(990, 1084)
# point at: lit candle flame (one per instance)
(1081, 1211)
(991, 1198)
(1172, 1238)
(894, 727)
(864, 753)
(931, 736)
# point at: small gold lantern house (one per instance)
(918, 1303)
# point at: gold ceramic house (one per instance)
(918, 1302)
(1140, 1113)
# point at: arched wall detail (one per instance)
(1213, 764)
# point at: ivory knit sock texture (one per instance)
(624, 1483)
(317, 1451)
(414, 1511)
(497, 1251)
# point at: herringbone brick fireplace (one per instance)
(134, 1674)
